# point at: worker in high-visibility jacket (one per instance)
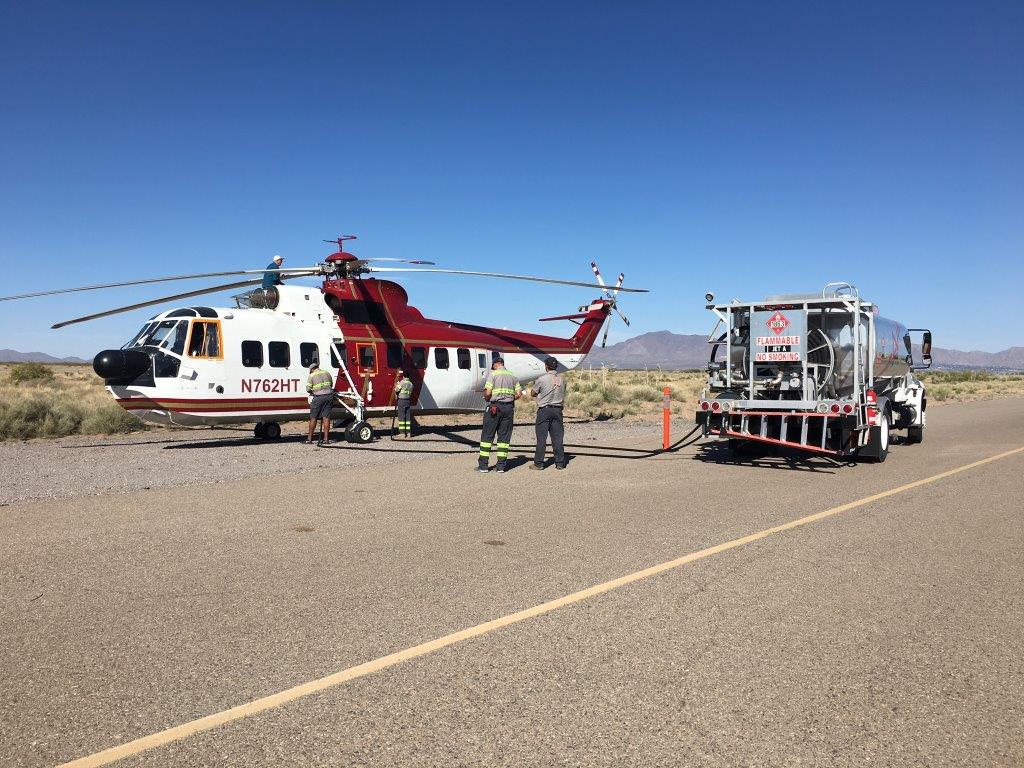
(320, 387)
(501, 390)
(403, 405)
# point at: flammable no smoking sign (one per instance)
(777, 347)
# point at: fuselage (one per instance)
(216, 365)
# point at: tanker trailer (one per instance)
(822, 373)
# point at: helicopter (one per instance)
(200, 365)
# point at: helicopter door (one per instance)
(481, 367)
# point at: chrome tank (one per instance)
(890, 349)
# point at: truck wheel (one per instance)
(878, 441)
(915, 435)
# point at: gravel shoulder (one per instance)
(71, 467)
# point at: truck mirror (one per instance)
(926, 346)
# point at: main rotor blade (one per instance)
(292, 272)
(161, 300)
(404, 261)
(503, 276)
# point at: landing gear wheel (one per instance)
(260, 430)
(360, 432)
(915, 435)
(271, 430)
(878, 440)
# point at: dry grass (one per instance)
(74, 401)
(65, 400)
(965, 386)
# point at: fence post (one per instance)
(666, 418)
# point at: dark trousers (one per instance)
(549, 421)
(404, 418)
(498, 419)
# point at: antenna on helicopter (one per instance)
(340, 241)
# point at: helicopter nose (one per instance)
(120, 365)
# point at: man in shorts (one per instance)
(320, 386)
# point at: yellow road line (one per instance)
(250, 708)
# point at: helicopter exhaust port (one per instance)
(121, 366)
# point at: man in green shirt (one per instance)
(403, 405)
(320, 386)
(501, 390)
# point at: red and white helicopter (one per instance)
(201, 365)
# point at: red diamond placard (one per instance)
(777, 323)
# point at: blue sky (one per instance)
(742, 148)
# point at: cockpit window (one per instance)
(137, 338)
(205, 339)
(176, 341)
(154, 334)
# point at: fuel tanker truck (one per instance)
(822, 373)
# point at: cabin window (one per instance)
(482, 359)
(279, 354)
(204, 341)
(366, 356)
(337, 348)
(394, 355)
(465, 361)
(440, 357)
(309, 353)
(419, 357)
(252, 354)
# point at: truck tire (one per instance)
(879, 438)
(915, 435)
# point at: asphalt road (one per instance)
(890, 633)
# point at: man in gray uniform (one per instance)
(549, 390)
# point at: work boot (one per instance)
(482, 468)
(536, 466)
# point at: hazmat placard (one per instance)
(778, 336)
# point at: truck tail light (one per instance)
(716, 406)
(704, 405)
(848, 408)
(872, 412)
(835, 407)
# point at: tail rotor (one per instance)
(612, 296)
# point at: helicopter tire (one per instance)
(260, 430)
(271, 430)
(360, 433)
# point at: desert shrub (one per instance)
(58, 413)
(955, 377)
(109, 419)
(30, 373)
(38, 416)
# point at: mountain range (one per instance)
(13, 356)
(674, 351)
(681, 351)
